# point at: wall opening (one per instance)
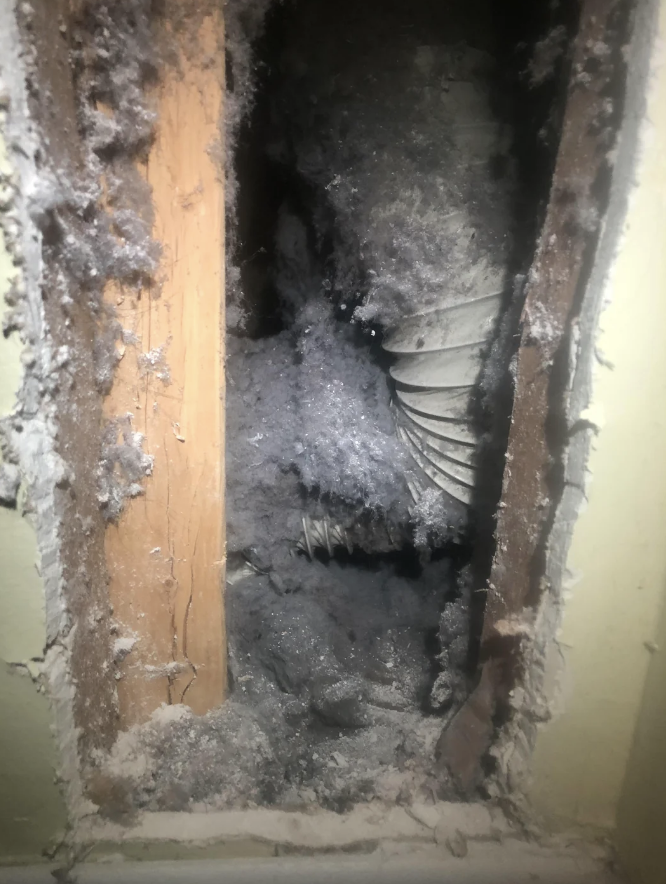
(388, 176)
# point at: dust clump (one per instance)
(547, 53)
(96, 219)
(122, 466)
(155, 362)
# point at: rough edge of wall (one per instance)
(32, 812)
(41, 467)
(539, 697)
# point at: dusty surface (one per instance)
(329, 689)
(348, 608)
(356, 151)
(522, 601)
(345, 658)
(345, 661)
(416, 842)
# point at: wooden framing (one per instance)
(169, 602)
(166, 555)
(531, 484)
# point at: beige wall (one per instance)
(617, 561)
(641, 824)
(31, 811)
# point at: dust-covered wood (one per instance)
(80, 551)
(531, 484)
(166, 554)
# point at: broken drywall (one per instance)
(72, 230)
(538, 698)
(31, 808)
(309, 422)
(28, 433)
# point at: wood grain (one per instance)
(533, 477)
(166, 554)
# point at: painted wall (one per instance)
(641, 824)
(617, 561)
(31, 811)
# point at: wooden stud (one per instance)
(166, 555)
(530, 490)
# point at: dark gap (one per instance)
(534, 112)
(264, 188)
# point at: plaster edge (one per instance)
(315, 829)
(40, 465)
(540, 697)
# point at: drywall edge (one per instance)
(605, 551)
(31, 809)
(32, 436)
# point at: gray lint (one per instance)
(343, 668)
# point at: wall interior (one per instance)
(609, 646)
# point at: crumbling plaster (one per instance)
(37, 616)
(614, 508)
(31, 808)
